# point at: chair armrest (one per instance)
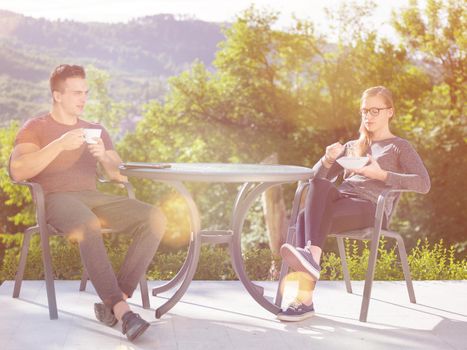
(36, 189)
(381, 203)
(38, 198)
(128, 186)
(384, 195)
(391, 190)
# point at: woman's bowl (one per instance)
(352, 162)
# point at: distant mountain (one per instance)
(142, 51)
(160, 44)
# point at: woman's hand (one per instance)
(332, 152)
(372, 170)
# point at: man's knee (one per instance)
(157, 221)
(140, 213)
(153, 217)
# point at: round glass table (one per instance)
(256, 178)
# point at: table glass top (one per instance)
(216, 172)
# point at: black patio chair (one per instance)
(372, 234)
(45, 230)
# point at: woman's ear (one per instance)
(391, 112)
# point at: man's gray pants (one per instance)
(81, 215)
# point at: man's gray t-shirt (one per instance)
(73, 170)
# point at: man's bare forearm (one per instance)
(110, 163)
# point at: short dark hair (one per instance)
(62, 73)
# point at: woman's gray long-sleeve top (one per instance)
(394, 155)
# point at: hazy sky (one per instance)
(208, 10)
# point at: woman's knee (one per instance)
(321, 182)
(319, 187)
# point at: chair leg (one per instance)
(143, 284)
(22, 262)
(284, 268)
(283, 273)
(405, 267)
(345, 269)
(84, 280)
(370, 272)
(49, 278)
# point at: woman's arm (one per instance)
(326, 167)
(322, 169)
(414, 176)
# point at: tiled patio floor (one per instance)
(221, 315)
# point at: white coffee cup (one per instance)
(91, 135)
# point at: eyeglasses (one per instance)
(374, 111)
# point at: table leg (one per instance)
(243, 203)
(195, 248)
(290, 237)
(242, 193)
(179, 276)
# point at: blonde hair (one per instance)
(360, 147)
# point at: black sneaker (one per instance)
(296, 311)
(301, 260)
(133, 325)
(105, 314)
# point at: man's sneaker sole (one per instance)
(295, 318)
(297, 262)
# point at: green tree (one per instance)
(101, 107)
(436, 37)
(289, 92)
(15, 208)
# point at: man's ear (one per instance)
(57, 96)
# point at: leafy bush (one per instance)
(437, 262)
(427, 262)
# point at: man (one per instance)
(52, 151)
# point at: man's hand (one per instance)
(372, 170)
(71, 140)
(98, 150)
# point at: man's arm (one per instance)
(109, 159)
(110, 165)
(28, 159)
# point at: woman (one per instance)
(393, 163)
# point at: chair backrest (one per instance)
(8, 167)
